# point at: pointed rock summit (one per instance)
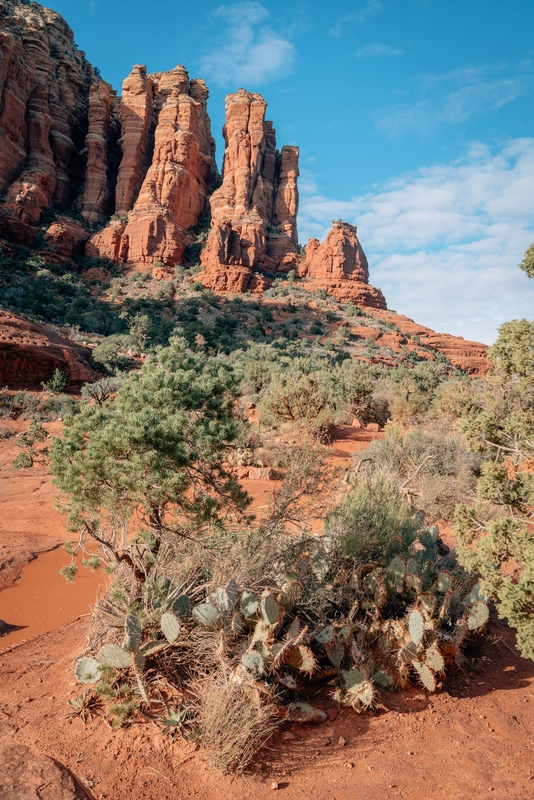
(340, 266)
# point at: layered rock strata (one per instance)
(167, 170)
(30, 353)
(340, 266)
(57, 121)
(254, 212)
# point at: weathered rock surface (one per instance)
(167, 171)
(66, 237)
(29, 354)
(469, 356)
(51, 109)
(255, 209)
(340, 266)
(27, 775)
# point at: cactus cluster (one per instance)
(364, 628)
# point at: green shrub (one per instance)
(369, 516)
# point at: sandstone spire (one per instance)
(167, 170)
(340, 266)
(254, 211)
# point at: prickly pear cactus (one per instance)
(88, 670)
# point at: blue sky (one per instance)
(414, 119)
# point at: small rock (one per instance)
(262, 474)
(332, 714)
(275, 785)
(342, 741)
(349, 764)
(356, 423)
(288, 736)
(373, 426)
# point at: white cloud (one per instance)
(250, 52)
(444, 242)
(376, 50)
(454, 97)
(371, 8)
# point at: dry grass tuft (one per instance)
(234, 721)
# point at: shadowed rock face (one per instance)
(254, 212)
(57, 121)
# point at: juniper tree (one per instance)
(147, 468)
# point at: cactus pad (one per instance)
(382, 679)
(208, 616)
(111, 655)
(290, 596)
(428, 536)
(302, 712)
(335, 652)
(396, 570)
(170, 625)
(477, 615)
(416, 625)
(87, 670)
(434, 660)
(301, 658)
(151, 648)
(445, 582)
(249, 604)
(182, 606)
(353, 677)
(320, 566)
(427, 678)
(253, 661)
(477, 594)
(407, 653)
(271, 611)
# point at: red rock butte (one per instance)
(134, 179)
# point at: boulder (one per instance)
(27, 775)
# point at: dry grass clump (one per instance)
(233, 721)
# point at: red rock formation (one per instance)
(469, 356)
(167, 196)
(137, 119)
(30, 353)
(44, 113)
(340, 266)
(254, 211)
(66, 237)
(97, 200)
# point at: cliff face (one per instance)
(254, 211)
(167, 170)
(57, 122)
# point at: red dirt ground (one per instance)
(473, 739)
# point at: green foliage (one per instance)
(498, 421)
(151, 461)
(367, 518)
(30, 452)
(53, 293)
(527, 264)
(57, 382)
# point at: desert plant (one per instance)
(101, 390)
(498, 422)
(148, 467)
(29, 442)
(57, 382)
